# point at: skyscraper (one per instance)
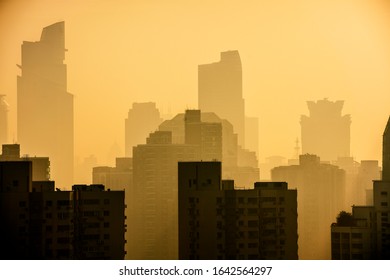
(45, 108)
(325, 132)
(3, 120)
(153, 222)
(320, 197)
(142, 119)
(386, 153)
(367, 234)
(220, 91)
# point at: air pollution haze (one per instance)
(197, 105)
(139, 51)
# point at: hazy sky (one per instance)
(124, 51)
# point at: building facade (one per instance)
(321, 190)
(142, 119)
(220, 91)
(217, 221)
(326, 132)
(45, 107)
(39, 222)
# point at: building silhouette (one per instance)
(39, 222)
(354, 238)
(40, 165)
(367, 236)
(238, 163)
(252, 134)
(4, 107)
(45, 108)
(142, 119)
(206, 135)
(325, 132)
(118, 178)
(220, 91)
(321, 190)
(217, 221)
(154, 217)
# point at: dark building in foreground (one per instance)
(39, 222)
(217, 221)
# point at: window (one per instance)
(253, 223)
(63, 228)
(106, 224)
(252, 200)
(106, 213)
(384, 204)
(253, 245)
(22, 204)
(383, 193)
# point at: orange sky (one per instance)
(292, 51)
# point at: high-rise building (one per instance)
(252, 134)
(39, 222)
(386, 153)
(368, 237)
(382, 199)
(119, 177)
(201, 128)
(142, 119)
(325, 132)
(321, 190)
(217, 221)
(153, 223)
(220, 91)
(3, 120)
(206, 135)
(45, 108)
(40, 165)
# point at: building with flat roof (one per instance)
(321, 190)
(217, 221)
(41, 222)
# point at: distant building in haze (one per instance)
(3, 120)
(325, 132)
(238, 163)
(45, 108)
(142, 119)
(220, 91)
(153, 222)
(321, 190)
(252, 134)
(217, 221)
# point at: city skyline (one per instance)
(286, 61)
